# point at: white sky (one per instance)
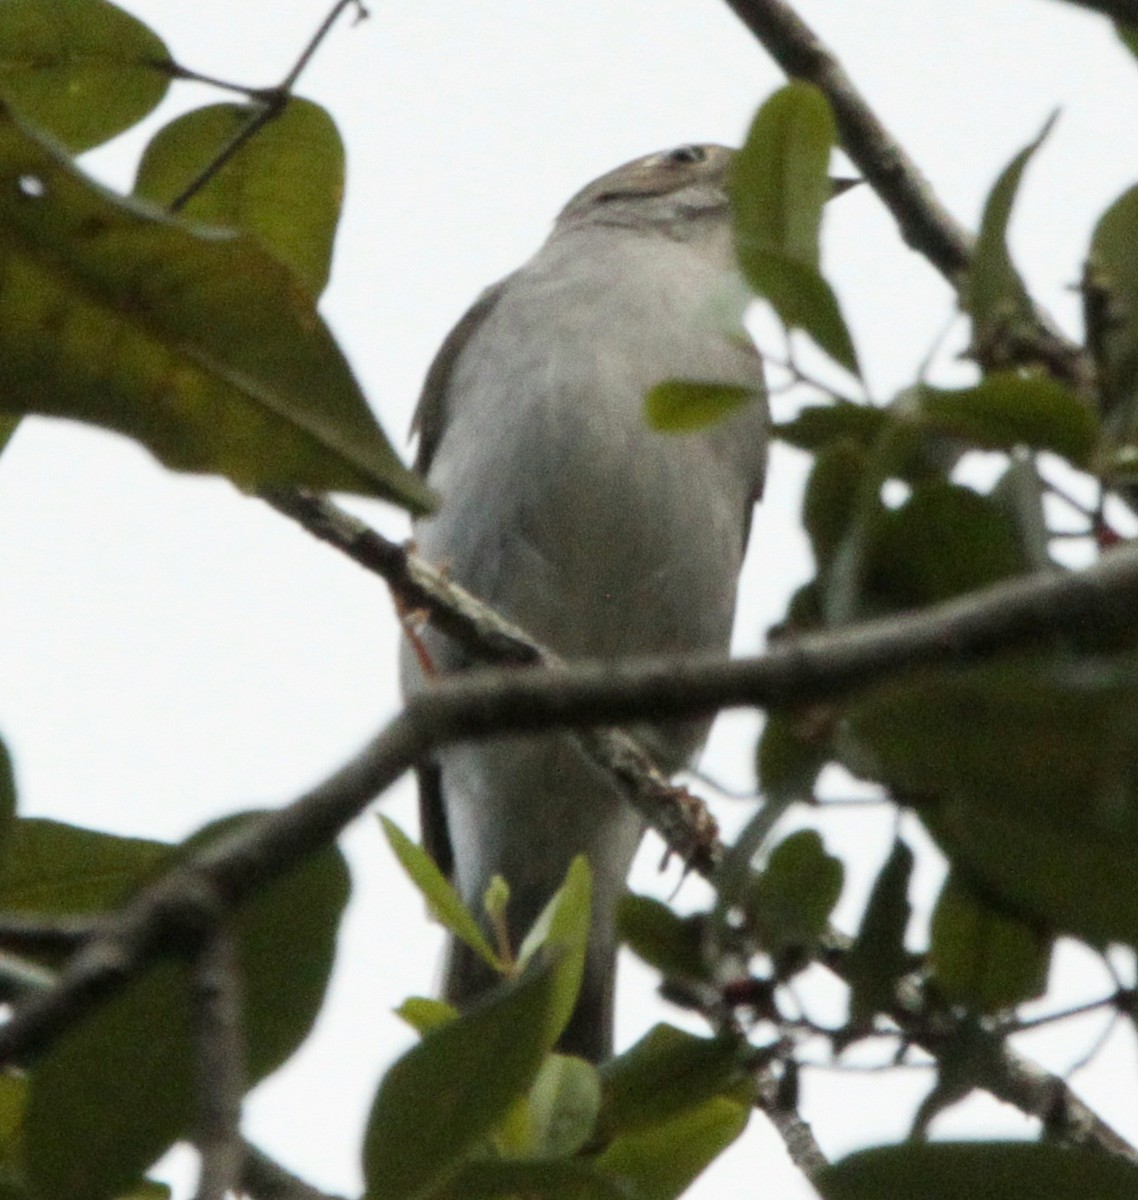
(172, 651)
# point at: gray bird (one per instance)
(562, 509)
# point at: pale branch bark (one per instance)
(796, 1134)
(263, 1178)
(219, 877)
(219, 1046)
(925, 224)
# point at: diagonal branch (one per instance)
(820, 667)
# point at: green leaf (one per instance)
(195, 342)
(982, 957)
(685, 405)
(562, 1106)
(779, 179)
(8, 427)
(83, 70)
(793, 749)
(55, 869)
(667, 1073)
(117, 1089)
(802, 299)
(1009, 409)
(660, 1161)
(7, 804)
(943, 541)
(424, 1014)
(562, 932)
(878, 958)
(832, 497)
(790, 902)
(994, 1170)
(670, 943)
(571, 1179)
(1112, 270)
(818, 426)
(442, 900)
(284, 186)
(778, 186)
(1027, 775)
(1128, 36)
(992, 293)
(438, 1102)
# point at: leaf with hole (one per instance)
(194, 341)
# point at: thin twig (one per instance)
(271, 103)
(265, 1179)
(215, 993)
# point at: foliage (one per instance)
(185, 316)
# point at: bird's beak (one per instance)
(839, 185)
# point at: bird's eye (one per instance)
(687, 154)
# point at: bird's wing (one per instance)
(429, 422)
(430, 415)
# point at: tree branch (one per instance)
(479, 704)
(925, 224)
(215, 997)
(265, 1179)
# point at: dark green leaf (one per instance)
(571, 1179)
(1128, 36)
(445, 1095)
(878, 958)
(562, 1107)
(8, 427)
(992, 293)
(778, 186)
(284, 185)
(442, 900)
(818, 426)
(793, 749)
(562, 932)
(993, 1170)
(1027, 775)
(199, 344)
(7, 805)
(944, 540)
(685, 405)
(832, 497)
(666, 1073)
(790, 902)
(118, 1088)
(1009, 409)
(83, 70)
(660, 1161)
(981, 957)
(670, 943)
(1112, 269)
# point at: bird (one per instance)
(563, 509)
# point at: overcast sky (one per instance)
(172, 650)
